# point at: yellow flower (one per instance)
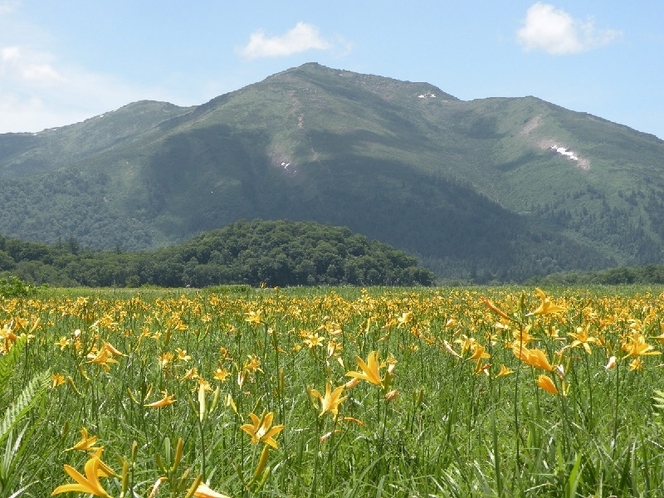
(330, 402)
(168, 399)
(57, 380)
(192, 373)
(479, 352)
(253, 364)
(221, 374)
(203, 491)
(391, 395)
(545, 382)
(369, 369)
(261, 431)
(89, 484)
(523, 337)
(182, 354)
(636, 345)
(636, 364)
(112, 350)
(103, 357)
(583, 338)
(63, 343)
(405, 318)
(165, 358)
(546, 306)
(534, 357)
(313, 340)
(495, 309)
(504, 371)
(254, 317)
(104, 470)
(86, 443)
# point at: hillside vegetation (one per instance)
(274, 253)
(490, 189)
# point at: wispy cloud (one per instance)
(26, 67)
(7, 6)
(40, 92)
(301, 38)
(556, 32)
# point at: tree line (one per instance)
(275, 253)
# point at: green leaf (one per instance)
(23, 403)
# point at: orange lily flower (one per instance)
(89, 484)
(369, 370)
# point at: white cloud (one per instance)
(7, 6)
(27, 67)
(558, 33)
(38, 92)
(301, 38)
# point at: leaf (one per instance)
(8, 362)
(23, 403)
(659, 400)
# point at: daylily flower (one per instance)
(369, 370)
(405, 318)
(111, 349)
(168, 399)
(253, 317)
(165, 358)
(504, 371)
(57, 380)
(102, 357)
(203, 491)
(313, 340)
(330, 402)
(89, 484)
(546, 306)
(182, 354)
(391, 395)
(479, 352)
(534, 357)
(192, 373)
(636, 364)
(221, 374)
(545, 382)
(261, 431)
(86, 443)
(583, 338)
(636, 345)
(495, 309)
(104, 470)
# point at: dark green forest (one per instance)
(622, 275)
(273, 253)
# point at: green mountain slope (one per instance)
(492, 188)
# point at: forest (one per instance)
(273, 253)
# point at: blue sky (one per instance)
(65, 61)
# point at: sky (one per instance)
(62, 62)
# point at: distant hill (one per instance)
(275, 253)
(499, 188)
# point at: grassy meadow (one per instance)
(239, 392)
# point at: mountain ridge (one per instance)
(496, 188)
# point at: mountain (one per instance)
(498, 188)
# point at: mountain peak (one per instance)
(331, 78)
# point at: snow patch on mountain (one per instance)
(567, 153)
(563, 151)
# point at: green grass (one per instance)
(448, 432)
